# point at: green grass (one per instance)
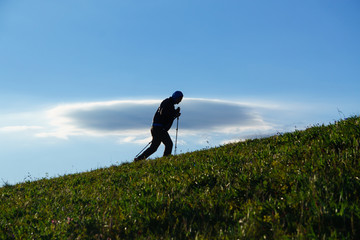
(299, 185)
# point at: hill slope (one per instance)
(296, 185)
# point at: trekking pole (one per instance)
(177, 128)
(143, 149)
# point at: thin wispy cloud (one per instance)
(19, 128)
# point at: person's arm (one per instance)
(169, 113)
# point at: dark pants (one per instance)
(159, 136)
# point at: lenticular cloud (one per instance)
(132, 118)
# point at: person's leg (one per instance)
(167, 142)
(156, 134)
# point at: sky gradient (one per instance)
(81, 80)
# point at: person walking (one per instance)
(162, 122)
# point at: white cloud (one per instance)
(135, 139)
(131, 119)
(99, 118)
(203, 121)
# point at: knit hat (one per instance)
(177, 94)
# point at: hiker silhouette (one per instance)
(162, 122)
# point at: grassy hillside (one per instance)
(297, 185)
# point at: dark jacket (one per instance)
(166, 114)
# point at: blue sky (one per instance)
(81, 80)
